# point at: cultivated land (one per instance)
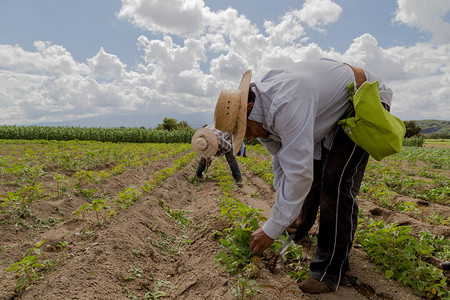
(93, 220)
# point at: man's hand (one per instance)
(208, 162)
(260, 241)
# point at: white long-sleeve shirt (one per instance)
(299, 107)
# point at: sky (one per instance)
(134, 62)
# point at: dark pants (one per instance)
(337, 179)
(231, 161)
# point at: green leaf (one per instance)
(388, 274)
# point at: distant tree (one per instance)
(412, 129)
(183, 125)
(172, 124)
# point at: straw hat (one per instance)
(230, 114)
(204, 142)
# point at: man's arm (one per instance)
(294, 123)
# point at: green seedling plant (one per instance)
(61, 183)
(281, 291)
(402, 257)
(194, 180)
(98, 206)
(27, 269)
(244, 221)
(245, 288)
(178, 215)
(127, 198)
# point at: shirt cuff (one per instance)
(273, 230)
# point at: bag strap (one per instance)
(350, 112)
(351, 91)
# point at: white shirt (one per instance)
(299, 107)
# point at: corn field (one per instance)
(121, 134)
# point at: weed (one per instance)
(134, 273)
(178, 215)
(169, 244)
(254, 194)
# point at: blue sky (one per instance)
(137, 61)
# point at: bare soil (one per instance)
(141, 250)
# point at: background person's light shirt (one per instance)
(299, 107)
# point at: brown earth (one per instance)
(141, 250)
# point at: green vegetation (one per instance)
(172, 124)
(122, 134)
(402, 257)
(32, 265)
(434, 129)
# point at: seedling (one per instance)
(281, 291)
(26, 268)
(25, 271)
(99, 206)
(245, 288)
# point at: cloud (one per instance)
(317, 13)
(48, 58)
(285, 32)
(106, 65)
(180, 17)
(198, 52)
(427, 16)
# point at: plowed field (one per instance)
(155, 232)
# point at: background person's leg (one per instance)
(201, 167)
(233, 165)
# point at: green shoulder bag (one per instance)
(370, 125)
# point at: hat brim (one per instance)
(241, 126)
(210, 137)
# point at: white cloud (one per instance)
(428, 16)
(317, 13)
(180, 17)
(285, 32)
(106, 65)
(185, 74)
(48, 58)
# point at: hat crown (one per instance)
(227, 108)
(205, 143)
(201, 144)
(230, 114)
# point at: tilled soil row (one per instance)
(16, 240)
(141, 251)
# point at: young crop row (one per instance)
(122, 134)
(237, 258)
(403, 257)
(34, 264)
(25, 171)
(436, 189)
(429, 158)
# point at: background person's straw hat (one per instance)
(204, 142)
(230, 114)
